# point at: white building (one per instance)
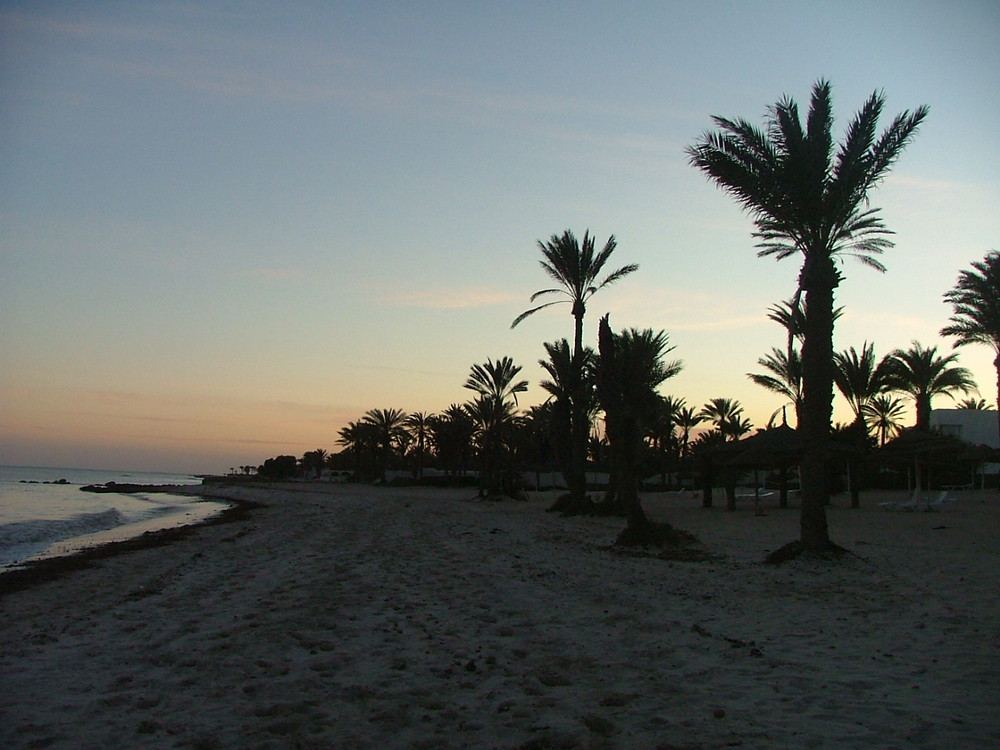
(971, 425)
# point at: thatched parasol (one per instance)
(923, 448)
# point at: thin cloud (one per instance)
(274, 275)
(446, 299)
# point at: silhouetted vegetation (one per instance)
(604, 412)
(808, 199)
(975, 302)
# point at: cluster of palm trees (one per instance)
(809, 198)
(873, 388)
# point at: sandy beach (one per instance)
(338, 616)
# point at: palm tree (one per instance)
(859, 377)
(453, 431)
(687, 419)
(974, 404)
(419, 425)
(791, 316)
(630, 369)
(664, 442)
(493, 411)
(883, 414)
(786, 368)
(923, 373)
(727, 416)
(575, 268)
(389, 430)
(806, 199)
(314, 461)
(360, 439)
(975, 302)
(495, 380)
(571, 389)
(785, 378)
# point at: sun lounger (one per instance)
(940, 502)
(923, 502)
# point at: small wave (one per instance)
(39, 532)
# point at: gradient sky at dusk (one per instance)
(230, 227)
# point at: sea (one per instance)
(44, 513)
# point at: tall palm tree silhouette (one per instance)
(630, 369)
(389, 429)
(687, 419)
(923, 373)
(575, 267)
(496, 386)
(860, 377)
(975, 302)
(783, 376)
(419, 425)
(884, 414)
(571, 388)
(727, 416)
(808, 199)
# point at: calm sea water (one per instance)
(42, 517)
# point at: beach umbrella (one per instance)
(977, 455)
(774, 447)
(923, 448)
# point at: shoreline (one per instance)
(41, 569)
(340, 615)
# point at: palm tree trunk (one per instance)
(578, 313)
(579, 425)
(996, 364)
(819, 279)
(628, 481)
(579, 433)
(923, 404)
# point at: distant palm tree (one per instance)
(575, 268)
(975, 302)
(727, 416)
(496, 380)
(360, 439)
(664, 442)
(389, 427)
(923, 373)
(687, 420)
(453, 431)
(419, 425)
(494, 411)
(539, 445)
(571, 390)
(738, 427)
(806, 199)
(859, 377)
(314, 461)
(791, 315)
(974, 404)
(785, 378)
(883, 413)
(630, 369)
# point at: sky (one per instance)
(229, 228)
